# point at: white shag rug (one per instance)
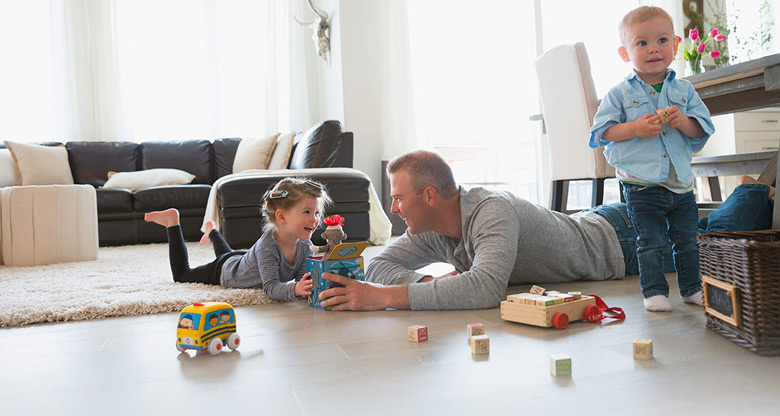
(123, 281)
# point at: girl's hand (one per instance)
(303, 287)
(675, 118)
(646, 127)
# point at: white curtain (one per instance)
(152, 69)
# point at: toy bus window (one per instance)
(189, 320)
(212, 320)
(226, 317)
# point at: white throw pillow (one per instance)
(254, 153)
(40, 165)
(7, 169)
(148, 178)
(281, 156)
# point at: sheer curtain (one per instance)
(151, 69)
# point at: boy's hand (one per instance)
(675, 118)
(303, 287)
(646, 127)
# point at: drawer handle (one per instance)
(769, 121)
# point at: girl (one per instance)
(276, 262)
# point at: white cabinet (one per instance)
(757, 130)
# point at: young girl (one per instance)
(276, 262)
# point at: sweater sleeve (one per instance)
(493, 236)
(396, 264)
(268, 264)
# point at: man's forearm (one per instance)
(395, 297)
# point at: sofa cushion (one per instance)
(7, 169)
(193, 156)
(164, 197)
(114, 201)
(280, 158)
(321, 147)
(90, 162)
(224, 154)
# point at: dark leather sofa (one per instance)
(121, 211)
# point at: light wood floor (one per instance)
(297, 360)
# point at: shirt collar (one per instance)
(670, 74)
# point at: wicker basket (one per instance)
(751, 262)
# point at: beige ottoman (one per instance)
(47, 224)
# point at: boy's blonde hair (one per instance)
(288, 192)
(640, 15)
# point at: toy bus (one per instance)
(207, 326)
(552, 309)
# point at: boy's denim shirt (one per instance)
(648, 158)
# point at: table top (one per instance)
(744, 86)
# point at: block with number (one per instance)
(537, 290)
(477, 328)
(418, 333)
(480, 344)
(643, 349)
(560, 365)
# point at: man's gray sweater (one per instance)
(505, 240)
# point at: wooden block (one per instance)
(519, 297)
(480, 344)
(643, 349)
(544, 301)
(560, 365)
(475, 329)
(577, 295)
(537, 290)
(418, 333)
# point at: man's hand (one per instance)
(355, 295)
(646, 127)
(303, 287)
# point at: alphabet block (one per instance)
(560, 365)
(480, 344)
(643, 349)
(537, 290)
(418, 333)
(475, 329)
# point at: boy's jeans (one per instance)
(660, 215)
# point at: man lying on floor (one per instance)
(494, 238)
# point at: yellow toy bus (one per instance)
(207, 326)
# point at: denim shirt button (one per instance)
(664, 133)
(683, 99)
(652, 92)
(666, 155)
(636, 102)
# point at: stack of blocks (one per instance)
(480, 343)
(643, 349)
(418, 333)
(560, 365)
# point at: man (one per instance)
(491, 238)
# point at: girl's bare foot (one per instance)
(167, 218)
(206, 239)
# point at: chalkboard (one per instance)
(721, 300)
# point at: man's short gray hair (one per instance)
(426, 169)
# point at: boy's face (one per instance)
(650, 46)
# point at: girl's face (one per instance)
(301, 220)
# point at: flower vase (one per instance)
(695, 66)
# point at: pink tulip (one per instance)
(720, 38)
(694, 35)
(701, 48)
(714, 32)
(715, 54)
(679, 39)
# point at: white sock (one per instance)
(657, 303)
(696, 298)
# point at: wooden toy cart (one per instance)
(515, 309)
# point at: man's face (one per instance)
(650, 46)
(409, 205)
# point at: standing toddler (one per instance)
(652, 150)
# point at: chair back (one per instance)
(569, 103)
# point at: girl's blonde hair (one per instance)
(288, 192)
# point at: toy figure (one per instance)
(334, 235)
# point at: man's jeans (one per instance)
(748, 208)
